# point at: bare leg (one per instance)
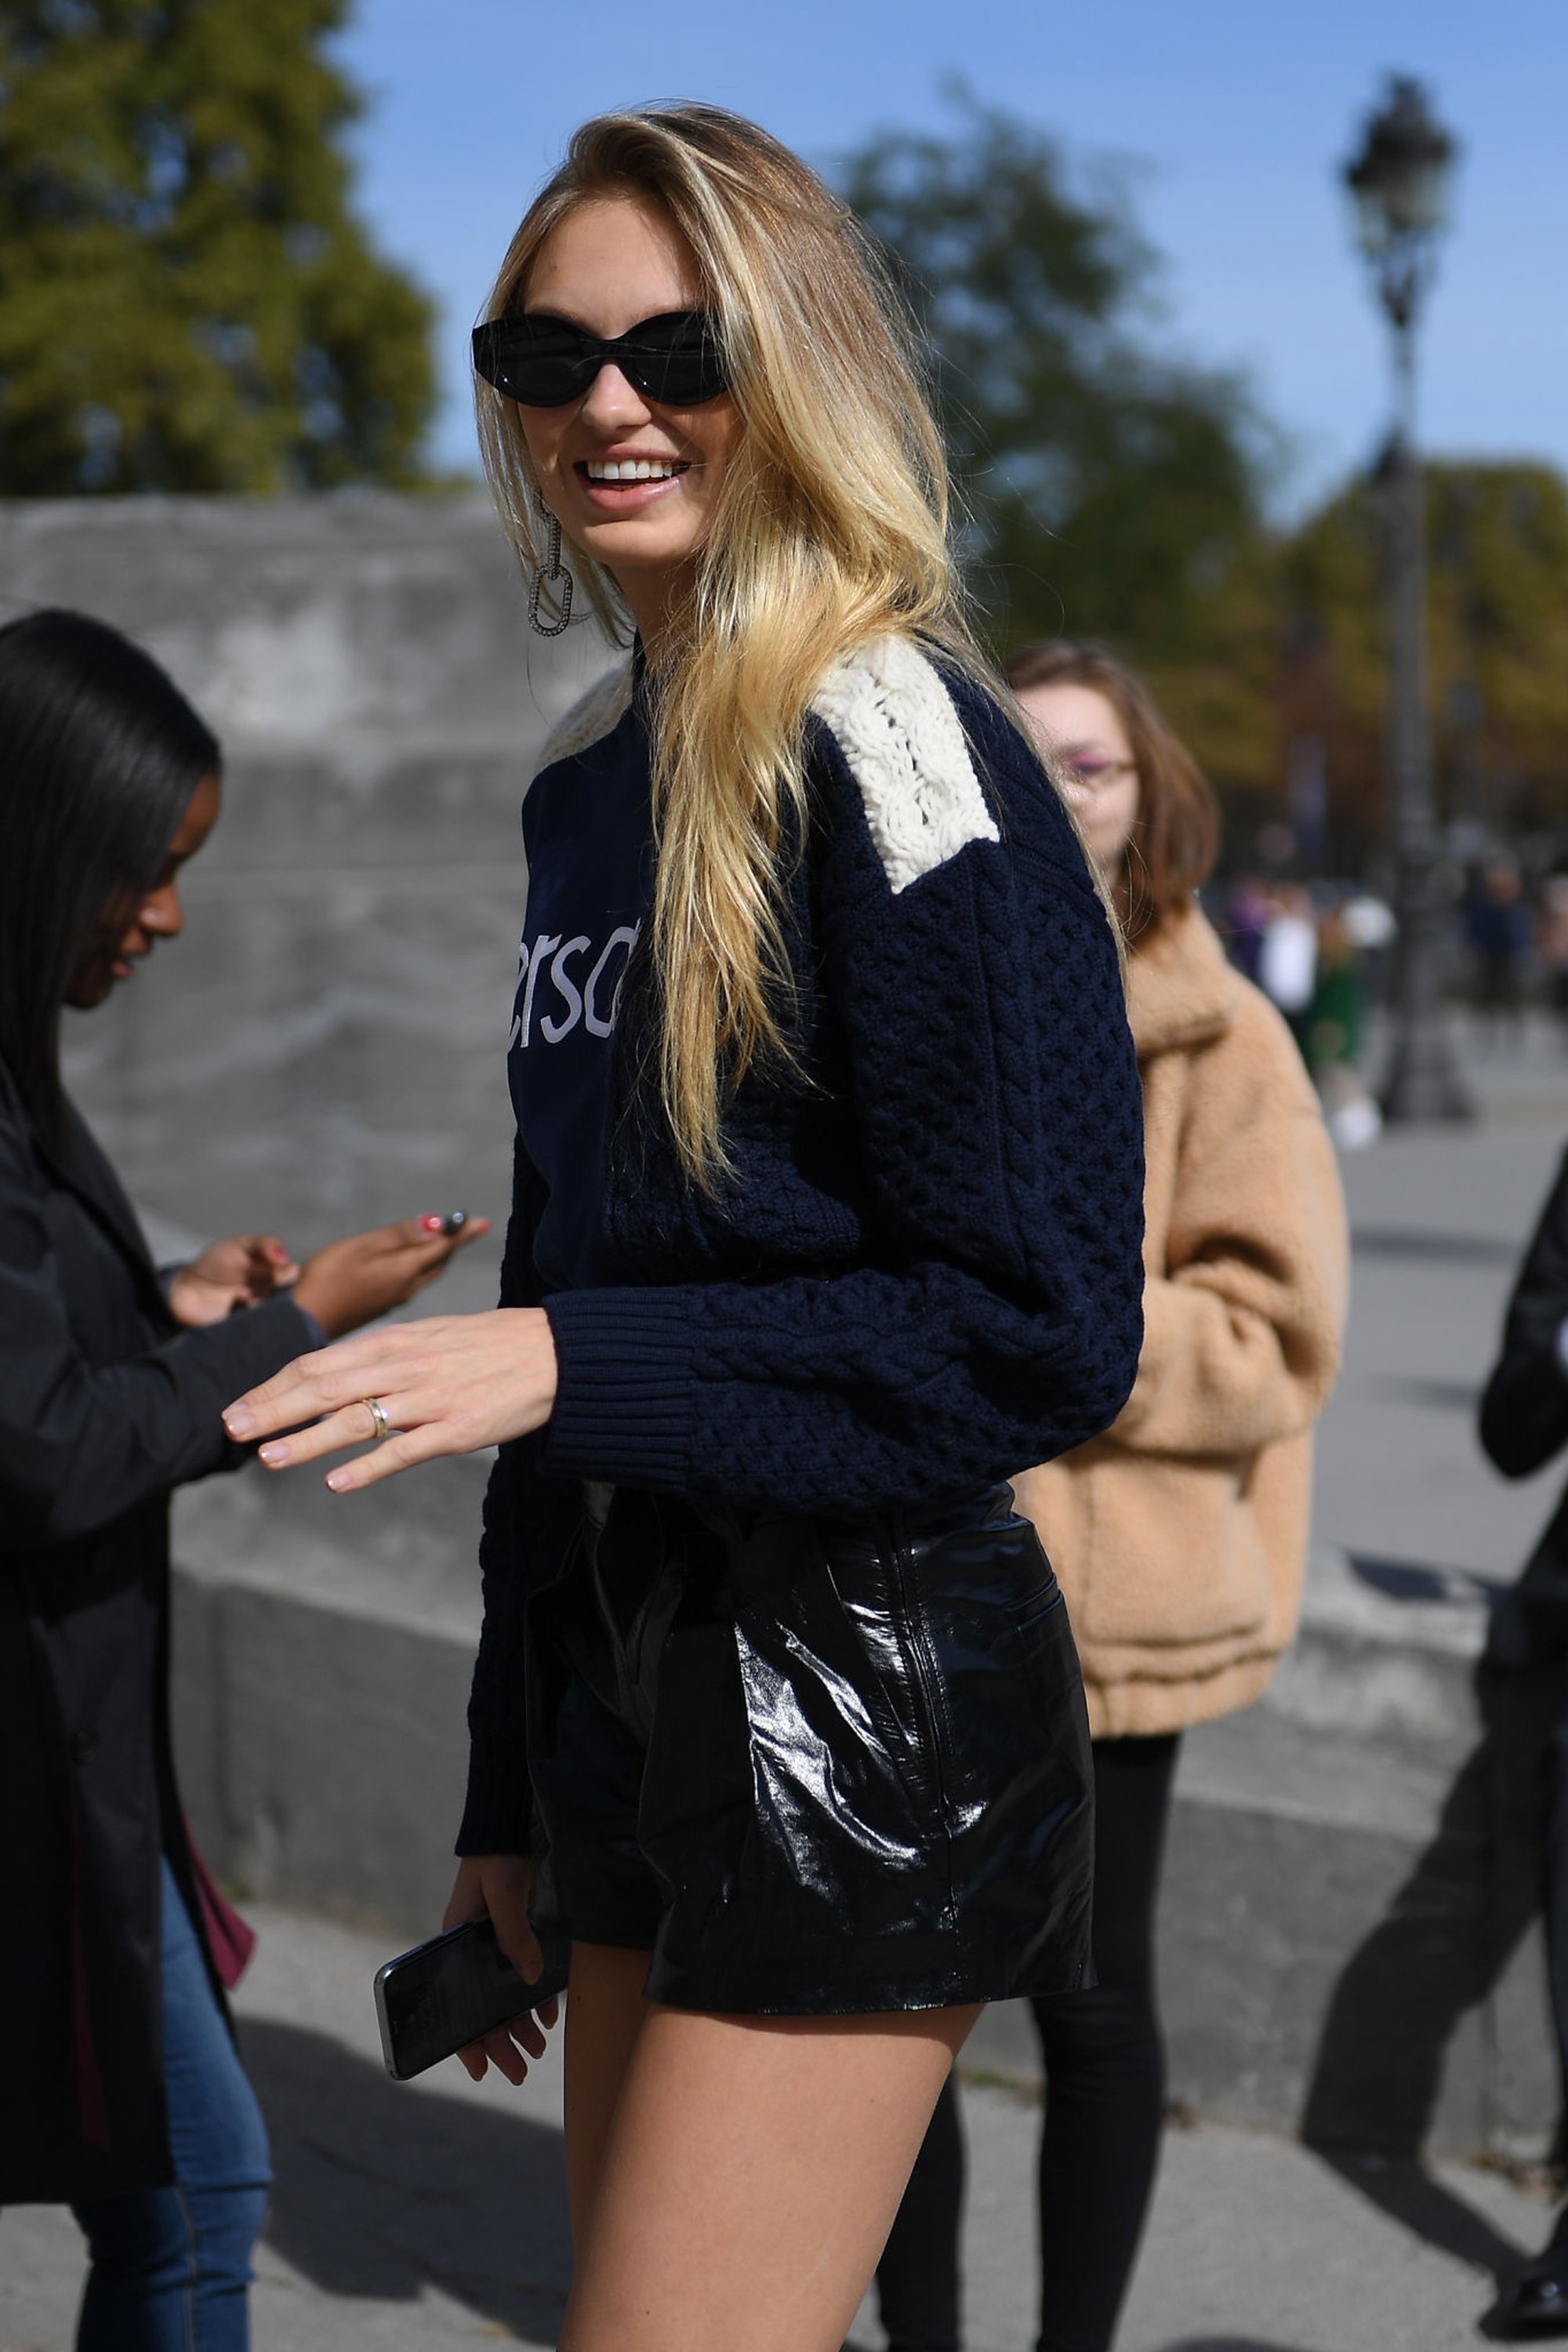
(604, 2013)
(749, 2177)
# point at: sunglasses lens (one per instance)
(543, 365)
(544, 384)
(678, 361)
(684, 379)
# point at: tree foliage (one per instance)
(1112, 491)
(1497, 540)
(187, 301)
(1115, 491)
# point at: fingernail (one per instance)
(239, 1420)
(431, 1224)
(337, 1481)
(273, 1455)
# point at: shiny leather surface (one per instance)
(814, 1766)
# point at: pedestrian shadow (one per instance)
(381, 2193)
(1186, 2344)
(1449, 1935)
(1231, 2344)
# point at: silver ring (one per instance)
(377, 1413)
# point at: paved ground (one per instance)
(1439, 1221)
(432, 2213)
(426, 2214)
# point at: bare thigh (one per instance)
(746, 2175)
(604, 2012)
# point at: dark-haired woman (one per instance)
(122, 2094)
(825, 1217)
(1180, 1536)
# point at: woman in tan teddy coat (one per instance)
(1180, 1537)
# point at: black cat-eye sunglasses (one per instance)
(675, 359)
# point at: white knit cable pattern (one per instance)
(896, 725)
(592, 716)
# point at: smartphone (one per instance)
(445, 1992)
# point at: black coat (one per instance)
(1523, 1423)
(105, 1405)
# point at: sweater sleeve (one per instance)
(1524, 1412)
(82, 1443)
(1241, 1323)
(996, 1100)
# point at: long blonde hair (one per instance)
(831, 528)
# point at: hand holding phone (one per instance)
(353, 1280)
(432, 2001)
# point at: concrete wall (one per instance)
(324, 1048)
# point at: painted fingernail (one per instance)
(338, 1480)
(273, 1456)
(239, 1420)
(431, 1224)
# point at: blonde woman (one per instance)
(827, 1216)
(1180, 1535)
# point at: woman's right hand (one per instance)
(352, 1281)
(502, 1884)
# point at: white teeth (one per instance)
(630, 469)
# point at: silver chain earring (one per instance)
(552, 574)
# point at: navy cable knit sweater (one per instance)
(926, 1272)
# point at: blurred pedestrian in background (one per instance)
(1288, 959)
(1523, 1423)
(1336, 1032)
(1179, 1537)
(1246, 919)
(1551, 945)
(1497, 923)
(1372, 930)
(124, 2095)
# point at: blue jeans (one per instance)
(171, 2267)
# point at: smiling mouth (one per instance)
(633, 469)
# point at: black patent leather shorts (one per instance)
(813, 1766)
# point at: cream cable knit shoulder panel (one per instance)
(593, 715)
(895, 723)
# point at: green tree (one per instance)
(186, 300)
(1112, 490)
(1496, 612)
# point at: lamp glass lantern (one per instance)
(1400, 183)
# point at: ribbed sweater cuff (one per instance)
(498, 1816)
(623, 1405)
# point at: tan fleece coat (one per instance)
(1180, 1537)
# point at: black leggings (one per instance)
(1105, 2075)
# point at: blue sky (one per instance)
(1231, 115)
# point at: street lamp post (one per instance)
(1400, 184)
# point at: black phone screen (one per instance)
(433, 2000)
